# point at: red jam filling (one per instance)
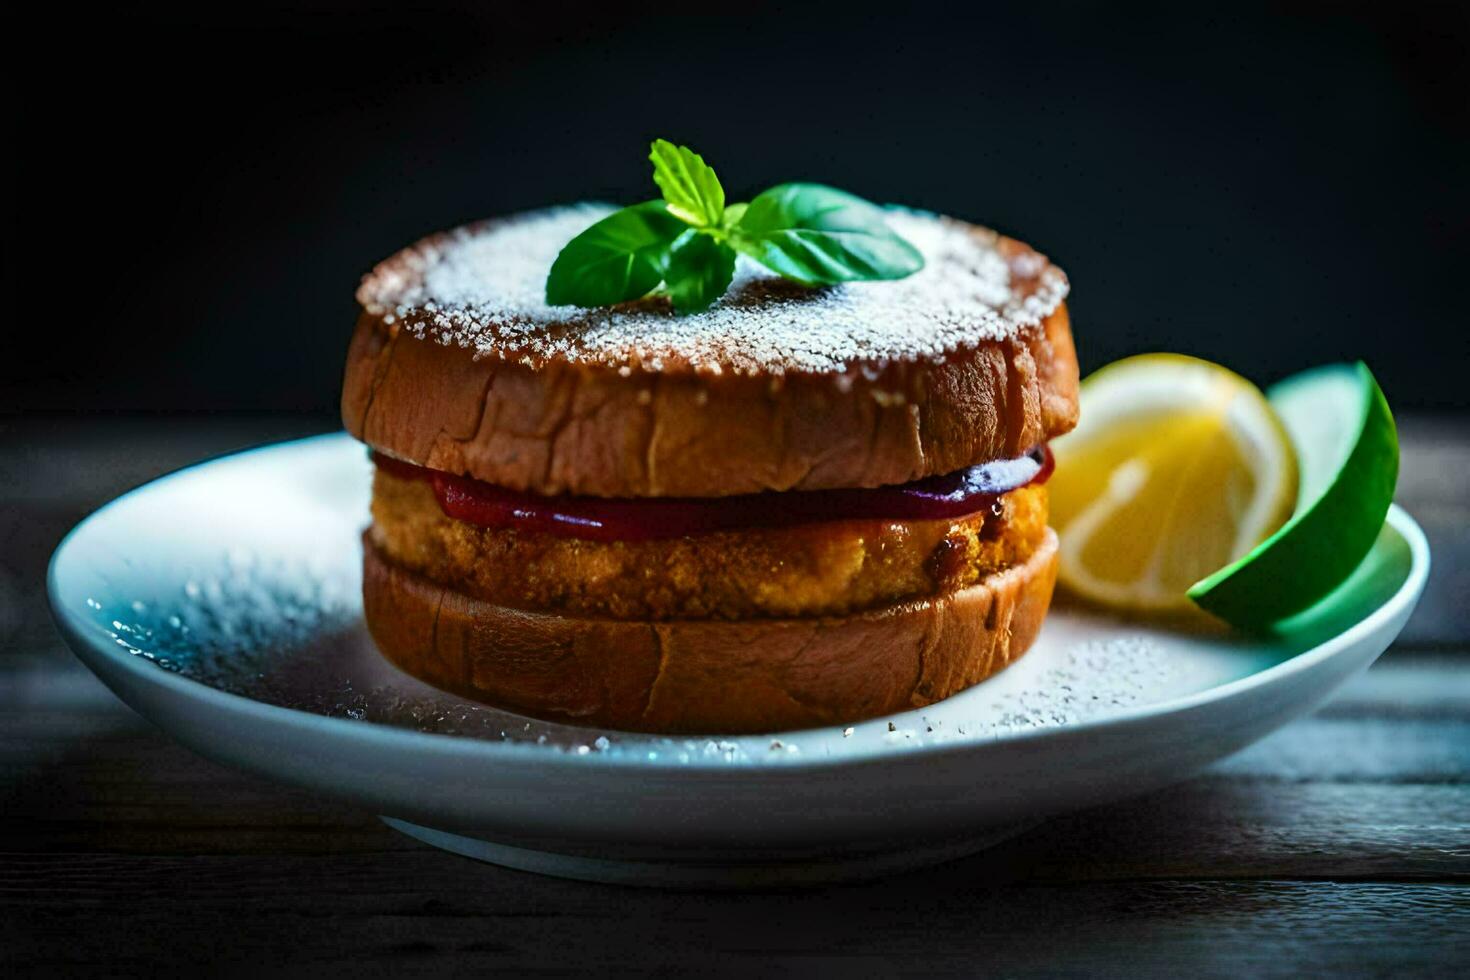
(952, 495)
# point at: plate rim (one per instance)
(78, 632)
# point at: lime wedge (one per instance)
(1348, 460)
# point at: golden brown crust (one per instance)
(707, 676)
(829, 568)
(588, 429)
(455, 365)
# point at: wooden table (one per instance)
(1340, 843)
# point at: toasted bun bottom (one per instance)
(707, 676)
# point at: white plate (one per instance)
(222, 603)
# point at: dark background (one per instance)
(196, 192)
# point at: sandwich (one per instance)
(796, 506)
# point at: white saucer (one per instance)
(222, 603)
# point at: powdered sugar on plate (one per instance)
(482, 288)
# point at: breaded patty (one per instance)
(831, 568)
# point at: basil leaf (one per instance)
(733, 214)
(819, 235)
(690, 187)
(619, 258)
(698, 273)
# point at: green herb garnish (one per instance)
(685, 244)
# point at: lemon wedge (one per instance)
(1178, 468)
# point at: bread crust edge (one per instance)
(707, 676)
(586, 428)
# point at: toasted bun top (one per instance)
(482, 287)
(458, 364)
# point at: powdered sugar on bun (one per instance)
(481, 288)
